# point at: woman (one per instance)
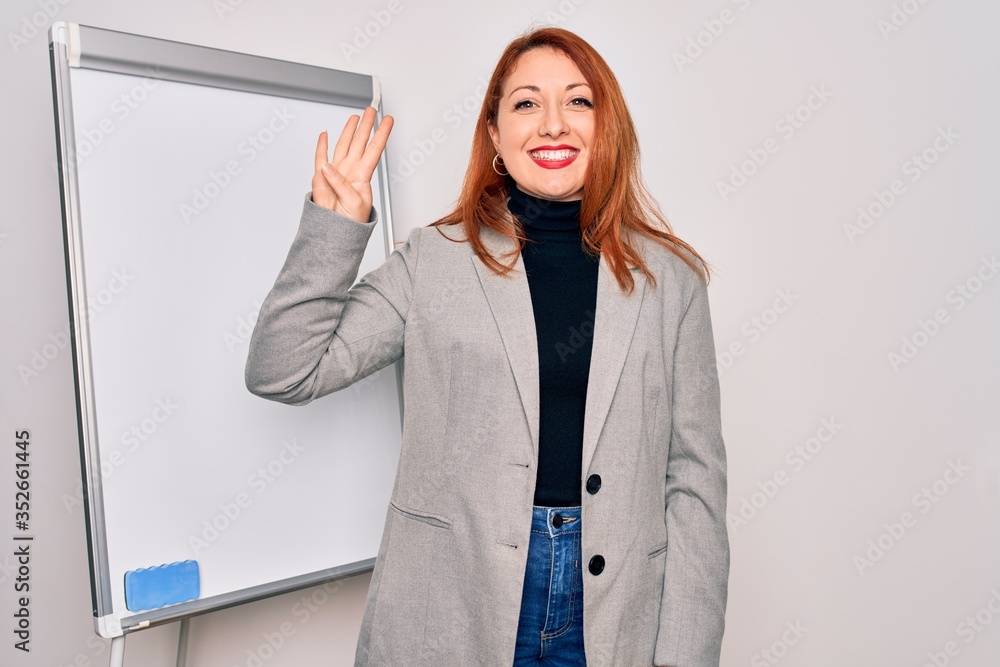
(561, 491)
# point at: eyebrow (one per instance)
(538, 90)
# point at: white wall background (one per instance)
(852, 542)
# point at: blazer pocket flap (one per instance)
(424, 517)
(657, 551)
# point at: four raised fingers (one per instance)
(345, 185)
(353, 144)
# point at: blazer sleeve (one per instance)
(696, 581)
(315, 332)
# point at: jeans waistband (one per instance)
(556, 520)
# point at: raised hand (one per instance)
(345, 184)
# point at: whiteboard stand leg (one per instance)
(182, 643)
(118, 651)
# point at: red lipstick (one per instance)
(554, 164)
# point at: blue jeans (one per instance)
(550, 629)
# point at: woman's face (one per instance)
(545, 125)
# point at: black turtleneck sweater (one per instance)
(562, 279)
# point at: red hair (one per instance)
(615, 200)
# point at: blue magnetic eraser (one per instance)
(154, 587)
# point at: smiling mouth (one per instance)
(554, 156)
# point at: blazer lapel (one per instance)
(614, 324)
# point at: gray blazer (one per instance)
(446, 586)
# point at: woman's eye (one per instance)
(576, 101)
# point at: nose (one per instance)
(553, 123)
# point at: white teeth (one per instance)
(554, 155)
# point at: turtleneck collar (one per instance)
(544, 214)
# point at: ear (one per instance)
(494, 135)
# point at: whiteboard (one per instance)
(183, 172)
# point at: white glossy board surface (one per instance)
(189, 199)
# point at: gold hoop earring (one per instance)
(502, 173)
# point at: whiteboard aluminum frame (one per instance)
(72, 45)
